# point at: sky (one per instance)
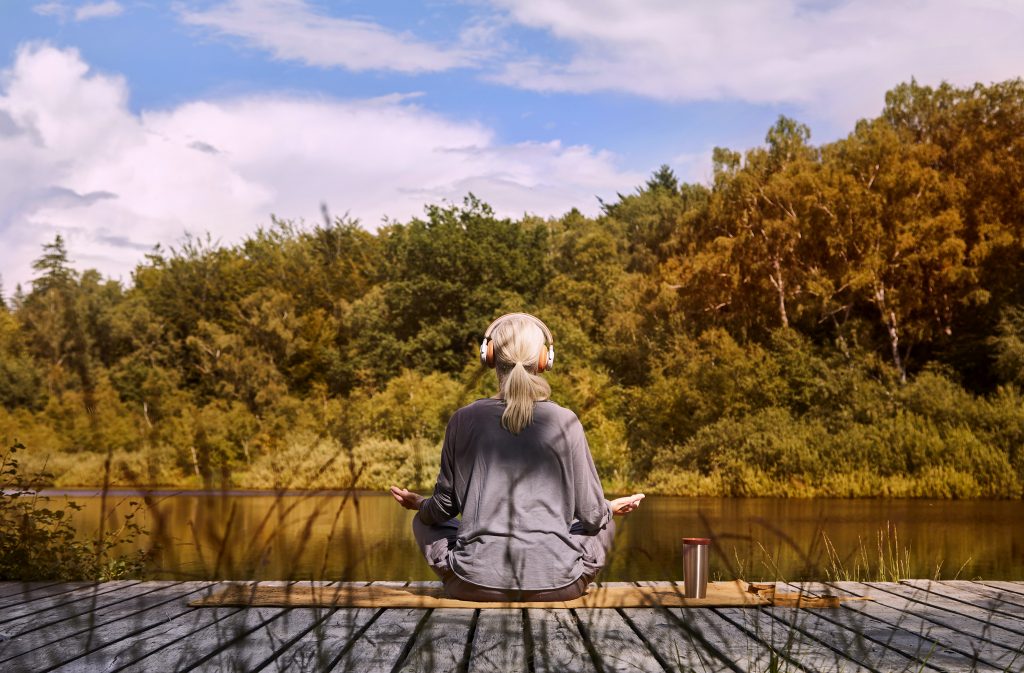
(130, 123)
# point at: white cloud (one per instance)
(292, 30)
(832, 57)
(75, 160)
(58, 9)
(83, 12)
(98, 10)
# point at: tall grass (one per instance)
(888, 561)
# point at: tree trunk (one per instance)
(892, 328)
(780, 287)
(894, 340)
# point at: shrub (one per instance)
(770, 441)
(379, 463)
(303, 462)
(39, 542)
(412, 405)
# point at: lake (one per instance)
(367, 536)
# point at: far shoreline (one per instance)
(166, 491)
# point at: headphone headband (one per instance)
(538, 321)
(547, 355)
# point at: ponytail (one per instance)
(517, 342)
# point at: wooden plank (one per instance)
(972, 619)
(918, 619)
(933, 645)
(498, 644)
(788, 644)
(260, 647)
(691, 638)
(876, 643)
(1007, 597)
(846, 641)
(125, 651)
(381, 646)
(76, 601)
(67, 619)
(267, 645)
(315, 649)
(81, 634)
(326, 642)
(987, 604)
(1013, 587)
(555, 642)
(680, 649)
(17, 587)
(618, 648)
(197, 646)
(16, 593)
(441, 644)
(257, 648)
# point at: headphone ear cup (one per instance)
(542, 361)
(490, 353)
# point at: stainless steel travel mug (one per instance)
(695, 567)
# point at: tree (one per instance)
(444, 279)
(51, 314)
(53, 267)
(902, 232)
(751, 263)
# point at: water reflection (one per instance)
(366, 536)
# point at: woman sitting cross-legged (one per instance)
(535, 524)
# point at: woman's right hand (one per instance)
(625, 505)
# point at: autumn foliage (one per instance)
(844, 319)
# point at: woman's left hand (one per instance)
(626, 504)
(407, 499)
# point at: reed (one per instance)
(888, 561)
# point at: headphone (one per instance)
(546, 357)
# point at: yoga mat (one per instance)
(720, 594)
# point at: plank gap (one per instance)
(467, 652)
(528, 644)
(595, 656)
(775, 653)
(352, 641)
(647, 643)
(407, 649)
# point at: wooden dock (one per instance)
(915, 625)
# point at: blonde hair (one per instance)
(518, 343)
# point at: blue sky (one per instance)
(126, 123)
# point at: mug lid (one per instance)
(696, 540)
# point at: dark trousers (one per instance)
(435, 541)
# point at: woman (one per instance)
(535, 525)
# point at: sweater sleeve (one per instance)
(443, 504)
(592, 510)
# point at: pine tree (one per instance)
(54, 267)
(664, 178)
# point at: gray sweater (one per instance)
(518, 496)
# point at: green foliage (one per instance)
(379, 463)
(412, 405)
(842, 319)
(1008, 343)
(38, 540)
(20, 383)
(443, 278)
